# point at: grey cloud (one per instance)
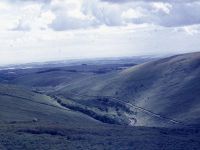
(117, 1)
(37, 1)
(175, 19)
(164, 1)
(68, 23)
(101, 16)
(104, 15)
(180, 15)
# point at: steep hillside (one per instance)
(167, 87)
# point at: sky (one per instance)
(46, 30)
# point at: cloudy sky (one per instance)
(43, 30)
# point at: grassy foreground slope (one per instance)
(30, 120)
(33, 136)
(19, 105)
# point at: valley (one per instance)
(136, 104)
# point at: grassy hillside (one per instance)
(21, 105)
(33, 136)
(168, 87)
(102, 107)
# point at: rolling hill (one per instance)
(168, 87)
(153, 105)
(30, 120)
(18, 105)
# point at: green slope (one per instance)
(21, 105)
(167, 87)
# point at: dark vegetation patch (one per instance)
(7, 77)
(49, 70)
(43, 131)
(108, 137)
(88, 68)
(104, 103)
(89, 112)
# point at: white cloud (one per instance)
(190, 30)
(160, 6)
(24, 16)
(4, 6)
(132, 14)
(68, 15)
